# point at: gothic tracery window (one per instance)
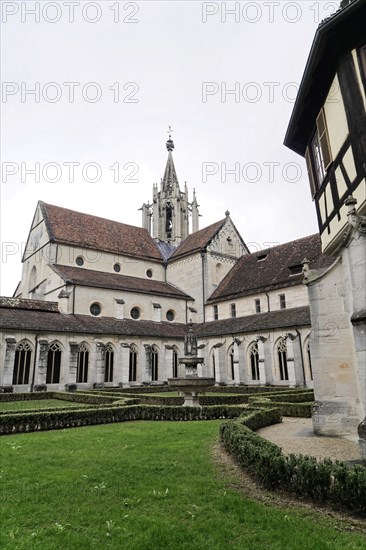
(22, 363)
(53, 364)
(231, 363)
(83, 364)
(132, 364)
(154, 364)
(282, 359)
(254, 361)
(108, 363)
(175, 364)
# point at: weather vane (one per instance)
(170, 130)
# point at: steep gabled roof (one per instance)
(270, 269)
(66, 226)
(115, 281)
(198, 241)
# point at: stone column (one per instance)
(267, 354)
(41, 363)
(146, 364)
(242, 364)
(9, 361)
(220, 364)
(261, 357)
(73, 363)
(125, 363)
(99, 369)
(290, 362)
(167, 371)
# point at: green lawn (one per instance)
(37, 404)
(140, 485)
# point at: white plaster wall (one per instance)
(85, 296)
(186, 274)
(296, 296)
(335, 115)
(104, 261)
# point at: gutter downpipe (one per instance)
(269, 309)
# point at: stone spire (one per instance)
(167, 218)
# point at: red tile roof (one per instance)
(198, 241)
(46, 321)
(283, 318)
(75, 228)
(115, 281)
(252, 275)
(23, 303)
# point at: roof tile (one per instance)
(79, 229)
(116, 281)
(252, 275)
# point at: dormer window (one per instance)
(295, 269)
(261, 257)
(216, 312)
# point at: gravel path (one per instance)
(295, 435)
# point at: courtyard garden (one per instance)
(111, 482)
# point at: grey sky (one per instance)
(160, 63)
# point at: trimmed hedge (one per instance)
(54, 419)
(325, 480)
(302, 410)
(298, 397)
(30, 396)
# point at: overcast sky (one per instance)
(110, 77)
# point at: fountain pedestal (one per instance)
(191, 385)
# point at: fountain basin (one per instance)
(191, 387)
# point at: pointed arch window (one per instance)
(32, 278)
(22, 363)
(231, 363)
(108, 363)
(175, 363)
(53, 364)
(154, 364)
(83, 364)
(282, 359)
(132, 365)
(254, 361)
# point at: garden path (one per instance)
(295, 435)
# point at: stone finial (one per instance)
(170, 144)
(227, 213)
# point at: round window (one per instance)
(135, 313)
(170, 315)
(79, 261)
(95, 309)
(117, 268)
(149, 273)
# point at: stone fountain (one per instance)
(191, 385)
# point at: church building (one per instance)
(102, 304)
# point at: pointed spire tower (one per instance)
(170, 209)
